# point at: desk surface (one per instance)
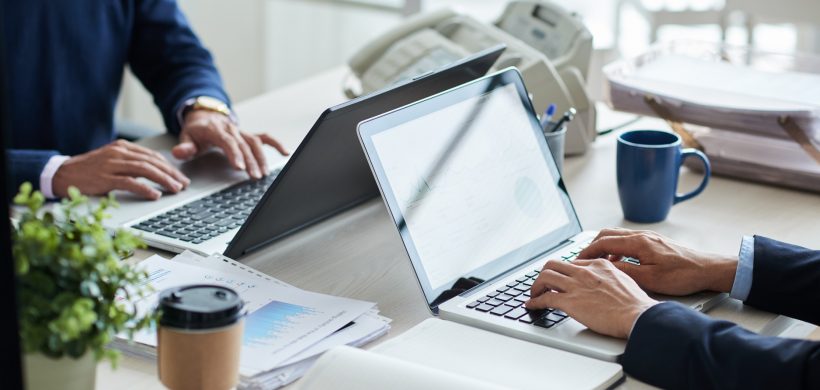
(358, 254)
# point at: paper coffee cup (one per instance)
(199, 337)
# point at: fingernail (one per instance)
(240, 164)
(256, 173)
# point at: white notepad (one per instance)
(447, 355)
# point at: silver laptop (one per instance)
(223, 212)
(480, 206)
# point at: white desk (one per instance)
(359, 254)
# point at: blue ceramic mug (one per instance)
(648, 165)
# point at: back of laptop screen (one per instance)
(476, 190)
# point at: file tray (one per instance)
(763, 107)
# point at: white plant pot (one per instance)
(45, 373)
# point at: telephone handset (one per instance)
(430, 41)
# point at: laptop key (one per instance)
(168, 234)
(500, 310)
(484, 307)
(513, 292)
(504, 297)
(473, 304)
(493, 294)
(526, 319)
(512, 303)
(516, 314)
(494, 302)
(553, 317)
(544, 324)
(483, 299)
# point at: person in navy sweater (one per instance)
(65, 65)
(672, 346)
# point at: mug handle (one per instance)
(707, 171)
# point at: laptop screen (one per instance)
(469, 181)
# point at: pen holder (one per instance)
(555, 141)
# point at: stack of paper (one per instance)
(742, 96)
(706, 90)
(287, 328)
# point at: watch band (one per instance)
(206, 103)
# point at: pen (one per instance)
(564, 119)
(547, 117)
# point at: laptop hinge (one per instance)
(517, 267)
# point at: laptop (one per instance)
(475, 194)
(223, 212)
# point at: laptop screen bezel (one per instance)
(368, 129)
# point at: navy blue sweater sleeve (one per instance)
(675, 347)
(169, 59)
(26, 165)
(786, 280)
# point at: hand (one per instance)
(593, 292)
(666, 267)
(203, 129)
(116, 167)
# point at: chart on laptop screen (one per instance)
(472, 183)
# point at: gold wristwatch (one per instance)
(208, 103)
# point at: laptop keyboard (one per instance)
(215, 214)
(508, 301)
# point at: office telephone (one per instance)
(550, 47)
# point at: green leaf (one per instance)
(69, 276)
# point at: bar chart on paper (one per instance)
(273, 321)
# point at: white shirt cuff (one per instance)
(745, 265)
(48, 173)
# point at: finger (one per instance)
(131, 184)
(273, 142)
(550, 280)
(186, 148)
(628, 245)
(549, 299)
(252, 167)
(563, 267)
(616, 231)
(143, 150)
(147, 170)
(636, 272)
(161, 164)
(228, 143)
(258, 152)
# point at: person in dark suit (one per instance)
(672, 346)
(65, 65)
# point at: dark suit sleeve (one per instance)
(786, 280)
(169, 59)
(675, 347)
(27, 165)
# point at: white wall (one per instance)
(260, 45)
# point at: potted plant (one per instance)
(73, 289)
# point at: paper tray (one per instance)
(721, 86)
